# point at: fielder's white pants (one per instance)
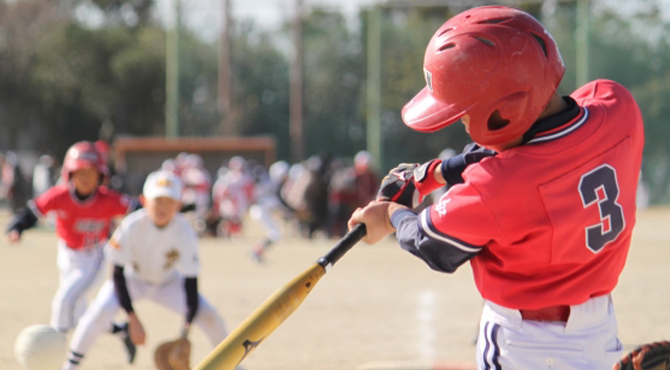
(79, 271)
(588, 341)
(263, 214)
(171, 295)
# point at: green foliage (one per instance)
(260, 85)
(334, 70)
(405, 34)
(628, 50)
(61, 79)
(87, 77)
(198, 89)
(137, 84)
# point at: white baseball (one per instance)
(40, 347)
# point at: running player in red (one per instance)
(546, 223)
(84, 209)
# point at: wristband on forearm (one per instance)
(424, 177)
(452, 169)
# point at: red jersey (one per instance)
(551, 221)
(81, 224)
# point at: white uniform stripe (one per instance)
(561, 133)
(33, 209)
(487, 349)
(491, 353)
(426, 227)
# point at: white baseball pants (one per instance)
(171, 295)
(263, 215)
(588, 341)
(79, 271)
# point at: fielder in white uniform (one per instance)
(155, 255)
(269, 201)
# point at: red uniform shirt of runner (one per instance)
(81, 224)
(554, 216)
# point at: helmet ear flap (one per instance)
(496, 121)
(510, 109)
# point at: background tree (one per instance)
(69, 69)
(630, 48)
(260, 84)
(334, 85)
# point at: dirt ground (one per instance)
(378, 308)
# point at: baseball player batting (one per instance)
(546, 221)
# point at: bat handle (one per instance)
(343, 246)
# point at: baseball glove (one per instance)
(173, 355)
(650, 356)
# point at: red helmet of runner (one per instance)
(81, 155)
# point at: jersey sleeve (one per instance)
(450, 232)
(119, 247)
(120, 204)
(461, 219)
(436, 253)
(189, 262)
(44, 203)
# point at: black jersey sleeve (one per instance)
(121, 289)
(191, 287)
(24, 219)
(452, 168)
(436, 253)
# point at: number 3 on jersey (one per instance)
(600, 187)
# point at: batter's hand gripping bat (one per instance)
(281, 304)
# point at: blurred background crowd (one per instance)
(315, 196)
(320, 76)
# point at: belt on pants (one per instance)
(553, 313)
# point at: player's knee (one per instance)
(98, 316)
(104, 311)
(61, 303)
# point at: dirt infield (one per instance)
(378, 308)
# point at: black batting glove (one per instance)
(398, 186)
(408, 183)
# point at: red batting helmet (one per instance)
(103, 148)
(486, 61)
(84, 154)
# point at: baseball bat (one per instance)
(279, 306)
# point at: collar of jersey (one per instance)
(76, 199)
(557, 125)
